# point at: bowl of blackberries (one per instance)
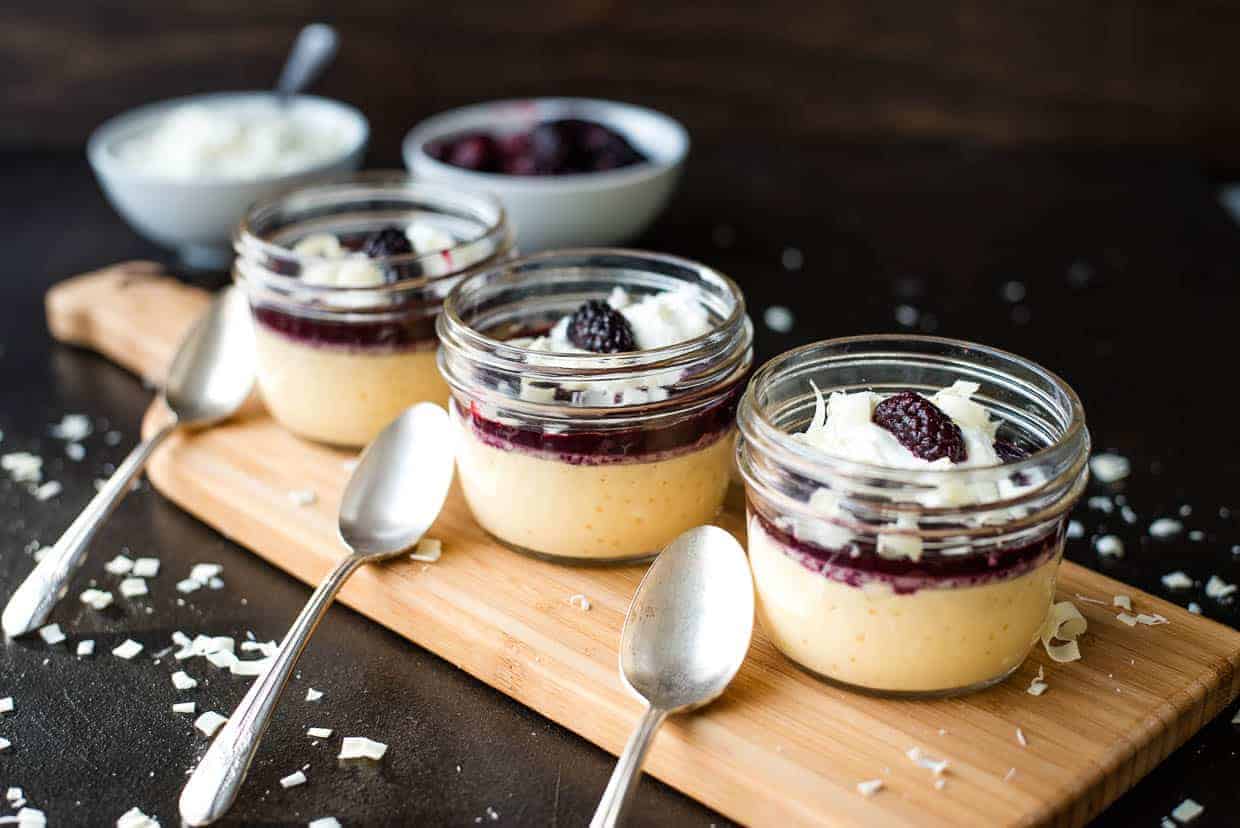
(570, 171)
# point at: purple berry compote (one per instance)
(907, 503)
(345, 281)
(596, 392)
(561, 147)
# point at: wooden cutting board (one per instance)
(779, 748)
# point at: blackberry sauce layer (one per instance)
(584, 447)
(906, 576)
(860, 562)
(385, 333)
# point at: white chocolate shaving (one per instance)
(1064, 623)
(1038, 686)
(182, 680)
(127, 649)
(1187, 811)
(1165, 528)
(96, 599)
(869, 787)
(428, 550)
(1109, 468)
(303, 497)
(1216, 587)
(134, 818)
(359, 747)
(209, 722)
(145, 568)
(52, 634)
(919, 757)
(120, 565)
(1109, 546)
(204, 572)
(293, 780)
(1177, 580)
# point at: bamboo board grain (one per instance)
(779, 748)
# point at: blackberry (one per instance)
(561, 147)
(597, 326)
(1009, 452)
(476, 151)
(921, 427)
(553, 147)
(390, 241)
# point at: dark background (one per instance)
(1122, 72)
(913, 154)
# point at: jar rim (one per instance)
(250, 244)
(503, 355)
(1066, 456)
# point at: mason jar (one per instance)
(583, 457)
(338, 362)
(908, 582)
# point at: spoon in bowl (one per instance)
(210, 378)
(685, 636)
(394, 495)
(314, 48)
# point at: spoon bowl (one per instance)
(212, 372)
(688, 628)
(684, 639)
(377, 515)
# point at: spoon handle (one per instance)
(214, 785)
(628, 770)
(34, 600)
(314, 48)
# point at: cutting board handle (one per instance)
(133, 313)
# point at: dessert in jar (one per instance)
(596, 392)
(907, 500)
(345, 281)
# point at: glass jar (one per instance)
(908, 582)
(591, 458)
(336, 364)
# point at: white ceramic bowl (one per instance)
(583, 209)
(197, 216)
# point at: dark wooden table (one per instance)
(1127, 265)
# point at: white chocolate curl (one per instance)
(1064, 623)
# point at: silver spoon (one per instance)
(393, 497)
(210, 378)
(684, 638)
(314, 48)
